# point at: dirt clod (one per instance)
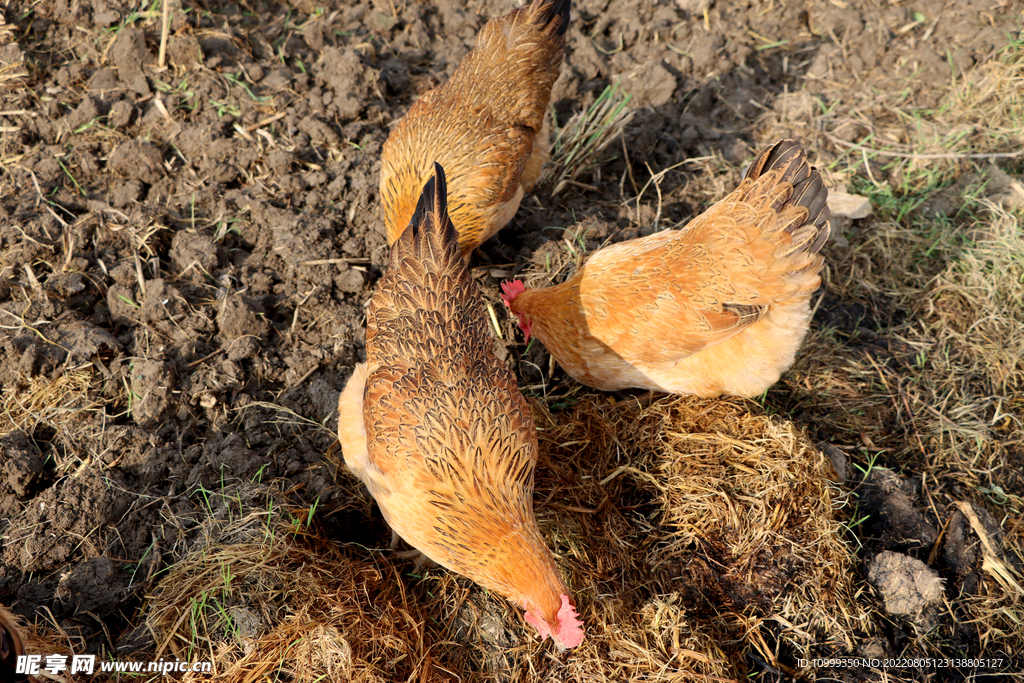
(129, 54)
(152, 387)
(137, 161)
(22, 465)
(195, 253)
(907, 585)
(241, 327)
(889, 500)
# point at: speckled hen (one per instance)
(434, 425)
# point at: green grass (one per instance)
(236, 80)
(225, 109)
(586, 134)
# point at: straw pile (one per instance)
(698, 538)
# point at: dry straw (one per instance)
(697, 539)
(54, 402)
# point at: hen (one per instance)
(486, 126)
(434, 425)
(11, 647)
(719, 307)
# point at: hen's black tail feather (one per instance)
(427, 304)
(554, 8)
(809, 189)
(429, 220)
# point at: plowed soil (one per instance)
(187, 246)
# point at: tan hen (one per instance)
(719, 307)
(486, 126)
(434, 425)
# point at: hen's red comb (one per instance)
(570, 628)
(510, 290)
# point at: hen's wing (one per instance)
(699, 286)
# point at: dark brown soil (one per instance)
(198, 242)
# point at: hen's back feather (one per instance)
(701, 285)
(516, 60)
(427, 304)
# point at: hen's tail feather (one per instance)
(809, 191)
(433, 195)
(427, 290)
(776, 157)
(430, 232)
(550, 10)
(813, 195)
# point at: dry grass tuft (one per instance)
(930, 371)
(261, 596)
(900, 143)
(941, 386)
(722, 522)
(931, 374)
(976, 304)
(45, 636)
(974, 311)
(990, 102)
(57, 402)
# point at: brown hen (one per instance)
(719, 307)
(486, 126)
(11, 647)
(434, 425)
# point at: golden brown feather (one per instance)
(11, 647)
(485, 126)
(435, 426)
(719, 307)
